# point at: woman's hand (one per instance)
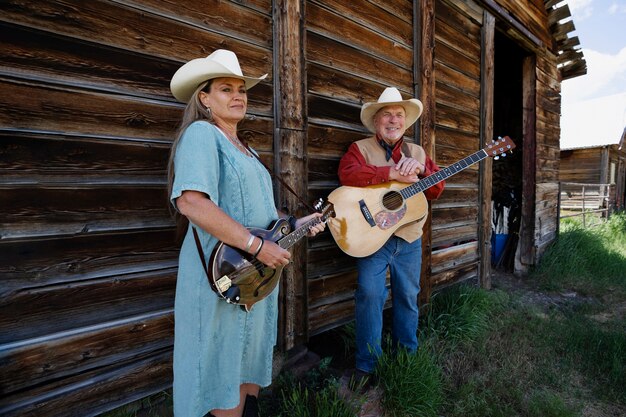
(271, 254)
(315, 229)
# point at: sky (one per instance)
(593, 106)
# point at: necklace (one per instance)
(235, 141)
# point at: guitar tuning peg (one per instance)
(496, 157)
(503, 154)
(318, 205)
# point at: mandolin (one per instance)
(366, 217)
(241, 279)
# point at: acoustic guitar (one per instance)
(241, 279)
(366, 217)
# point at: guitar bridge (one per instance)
(366, 213)
(223, 283)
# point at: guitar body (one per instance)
(366, 217)
(235, 269)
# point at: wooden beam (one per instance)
(527, 227)
(290, 145)
(486, 127)
(425, 11)
(556, 15)
(501, 13)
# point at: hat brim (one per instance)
(413, 108)
(188, 77)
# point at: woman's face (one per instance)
(227, 99)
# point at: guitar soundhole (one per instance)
(393, 200)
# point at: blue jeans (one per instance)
(404, 261)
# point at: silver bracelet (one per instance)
(249, 245)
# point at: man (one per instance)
(381, 158)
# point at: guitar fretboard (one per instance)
(447, 172)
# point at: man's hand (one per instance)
(406, 170)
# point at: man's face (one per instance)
(389, 123)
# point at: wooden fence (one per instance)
(582, 199)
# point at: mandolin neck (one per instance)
(293, 237)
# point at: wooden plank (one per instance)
(291, 144)
(35, 55)
(330, 141)
(454, 119)
(83, 395)
(38, 361)
(43, 308)
(527, 225)
(456, 275)
(425, 50)
(486, 176)
(451, 258)
(253, 25)
(330, 24)
(332, 54)
(383, 21)
(50, 261)
(450, 236)
(99, 22)
(331, 288)
(52, 109)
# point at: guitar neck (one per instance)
(293, 237)
(447, 172)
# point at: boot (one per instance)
(251, 406)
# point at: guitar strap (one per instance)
(195, 232)
(283, 183)
(201, 253)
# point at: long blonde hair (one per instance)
(194, 111)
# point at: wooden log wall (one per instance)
(87, 253)
(353, 51)
(455, 220)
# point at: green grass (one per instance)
(589, 260)
(412, 383)
(549, 349)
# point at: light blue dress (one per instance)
(218, 346)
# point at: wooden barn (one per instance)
(600, 169)
(88, 257)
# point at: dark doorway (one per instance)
(508, 120)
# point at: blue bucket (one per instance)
(498, 241)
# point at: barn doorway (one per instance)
(508, 120)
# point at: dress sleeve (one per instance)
(196, 162)
(356, 172)
(430, 167)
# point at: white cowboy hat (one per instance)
(221, 63)
(391, 97)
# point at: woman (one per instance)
(222, 354)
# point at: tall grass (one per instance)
(589, 260)
(411, 382)
(493, 354)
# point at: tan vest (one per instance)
(374, 154)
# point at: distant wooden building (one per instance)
(602, 164)
(87, 254)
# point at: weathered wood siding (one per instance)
(455, 218)
(87, 253)
(593, 166)
(353, 51)
(546, 153)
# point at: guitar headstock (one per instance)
(499, 147)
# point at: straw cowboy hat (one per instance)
(221, 63)
(391, 97)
